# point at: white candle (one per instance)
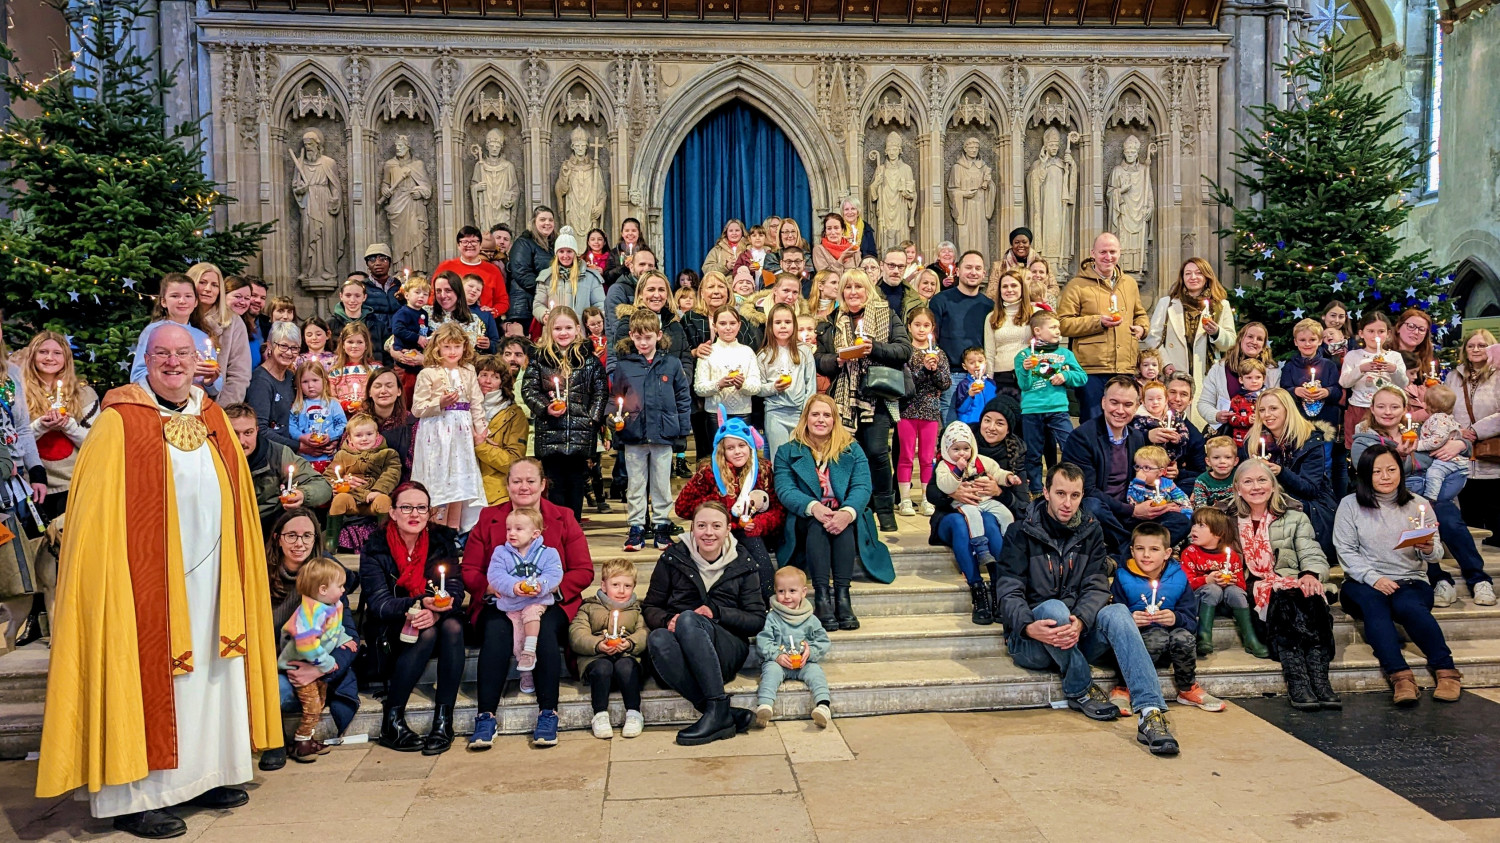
(1154, 606)
(556, 387)
(1432, 370)
(1033, 347)
(614, 624)
(1421, 515)
(620, 404)
(290, 469)
(1205, 309)
(1226, 560)
(1408, 421)
(1169, 417)
(1263, 454)
(1312, 377)
(338, 474)
(442, 579)
(1158, 487)
(859, 326)
(1377, 346)
(1114, 303)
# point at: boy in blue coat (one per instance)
(1165, 609)
(651, 408)
(972, 390)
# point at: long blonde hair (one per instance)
(1235, 357)
(701, 306)
(1298, 428)
(547, 349)
(447, 333)
(325, 394)
(839, 438)
(731, 475)
(39, 392)
(573, 274)
(217, 315)
(1276, 504)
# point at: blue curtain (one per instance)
(735, 164)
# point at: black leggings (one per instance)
(446, 637)
(705, 424)
(621, 673)
(496, 643)
(567, 478)
(875, 438)
(826, 556)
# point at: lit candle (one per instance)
(1154, 605)
(614, 624)
(1205, 309)
(1408, 421)
(1033, 347)
(1169, 417)
(442, 579)
(620, 407)
(1226, 560)
(1158, 488)
(1377, 346)
(290, 469)
(1114, 303)
(338, 474)
(1263, 454)
(1432, 370)
(556, 387)
(859, 326)
(1312, 377)
(1421, 515)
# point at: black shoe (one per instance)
(716, 724)
(220, 798)
(1095, 705)
(31, 631)
(152, 825)
(1153, 732)
(680, 468)
(823, 609)
(843, 607)
(1317, 672)
(1298, 681)
(982, 615)
(272, 759)
(887, 522)
(440, 736)
(395, 734)
(744, 718)
(661, 538)
(603, 507)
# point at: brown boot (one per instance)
(1448, 686)
(304, 751)
(1404, 687)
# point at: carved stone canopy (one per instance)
(402, 101)
(1131, 109)
(891, 109)
(313, 99)
(972, 109)
(1052, 109)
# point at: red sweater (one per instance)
(1198, 563)
(496, 297)
(703, 488)
(561, 533)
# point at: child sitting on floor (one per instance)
(791, 644)
(609, 639)
(317, 629)
(1149, 484)
(1216, 573)
(1155, 588)
(1215, 487)
(523, 573)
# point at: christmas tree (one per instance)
(1332, 173)
(107, 196)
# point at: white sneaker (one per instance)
(634, 723)
(1444, 594)
(762, 716)
(822, 715)
(905, 508)
(1484, 594)
(926, 508)
(602, 730)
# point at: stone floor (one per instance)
(1016, 776)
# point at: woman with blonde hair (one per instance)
(824, 481)
(1296, 453)
(1194, 324)
(726, 250)
(1041, 284)
(865, 335)
(568, 282)
(226, 330)
(62, 408)
(1478, 411)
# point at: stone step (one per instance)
(864, 689)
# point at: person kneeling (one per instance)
(1155, 589)
(1053, 594)
(791, 644)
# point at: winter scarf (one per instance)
(854, 408)
(412, 566)
(710, 571)
(794, 616)
(630, 602)
(1260, 561)
(837, 249)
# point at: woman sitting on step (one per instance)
(560, 531)
(1384, 586)
(401, 570)
(1285, 569)
(703, 607)
(823, 480)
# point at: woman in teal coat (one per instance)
(823, 480)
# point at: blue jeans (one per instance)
(949, 417)
(1089, 396)
(953, 531)
(1410, 606)
(1117, 530)
(1034, 428)
(1452, 530)
(1113, 630)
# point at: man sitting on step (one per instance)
(1053, 597)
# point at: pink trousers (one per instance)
(919, 438)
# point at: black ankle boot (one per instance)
(680, 468)
(843, 607)
(823, 608)
(394, 733)
(716, 724)
(440, 736)
(983, 615)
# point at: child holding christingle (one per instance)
(791, 644)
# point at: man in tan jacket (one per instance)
(1101, 312)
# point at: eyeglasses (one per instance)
(299, 538)
(889, 265)
(286, 346)
(412, 509)
(468, 241)
(163, 354)
(1140, 467)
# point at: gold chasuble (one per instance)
(121, 630)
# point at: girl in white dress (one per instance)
(450, 409)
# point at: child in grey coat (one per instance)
(791, 644)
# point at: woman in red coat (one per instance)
(734, 478)
(560, 532)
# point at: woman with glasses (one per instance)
(273, 388)
(413, 589)
(293, 540)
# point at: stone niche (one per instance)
(1132, 117)
(1053, 191)
(313, 110)
(975, 116)
(404, 110)
(892, 115)
(491, 113)
(580, 113)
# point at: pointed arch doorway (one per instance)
(736, 163)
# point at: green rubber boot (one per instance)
(1205, 628)
(331, 533)
(1246, 630)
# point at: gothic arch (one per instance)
(734, 79)
(909, 92)
(1070, 92)
(389, 78)
(291, 83)
(1150, 95)
(575, 74)
(975, 79)
(478, 81)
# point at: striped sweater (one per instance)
(317, 629)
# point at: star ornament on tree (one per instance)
(1327, 19)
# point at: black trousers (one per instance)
(875, 438)
(764, 564)
(567, 479)
(621, 673)
(496, 642)
(825, 557)
(446, 639)
(705, 424)
(697, 659)
(1476, 501)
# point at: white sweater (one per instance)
(1362, 385)
(1002, 344)
(723, 359)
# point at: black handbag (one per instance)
(888, 383)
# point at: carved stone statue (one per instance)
(320, 198)
(494, 187)
(404, 191)
(580, 186)
(1131, 205)
(1051, 197)
(893, 193)
(971, 191)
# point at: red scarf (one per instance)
(837, 249)
(412, 566)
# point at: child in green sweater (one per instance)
(1045, 372)
(1215, 486)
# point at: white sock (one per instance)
(1146, 712)
(530, 645)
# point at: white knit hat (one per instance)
(566, 239)
(957, 432)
